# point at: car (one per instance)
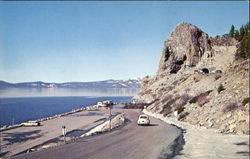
(31, 123)
(143, 120)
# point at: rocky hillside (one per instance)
(200, 82)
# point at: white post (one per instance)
(110, 118)
(64, 133)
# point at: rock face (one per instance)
(200, 82)
(185, 46)
(225, 40)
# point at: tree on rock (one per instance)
(243, 37)
(237, 35)
(232, 31)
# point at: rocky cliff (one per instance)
(200, 82)
(185, 46)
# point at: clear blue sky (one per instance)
(91, 41)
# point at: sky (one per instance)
(64, 41)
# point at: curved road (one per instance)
(129, 142)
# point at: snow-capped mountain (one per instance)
(131, 83)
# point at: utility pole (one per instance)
(109, 117)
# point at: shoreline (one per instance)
(32, 136)
(95, 130)
(82, 108)
(8, 127)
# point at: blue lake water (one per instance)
(18, 110)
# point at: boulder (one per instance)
(184, 48)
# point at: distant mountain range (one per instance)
(131, 83)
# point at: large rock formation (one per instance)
(185, 47)
(200, 82)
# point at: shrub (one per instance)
(174, 83)
(184, 99)
(166, 111)
(220, 88)
(167, 98)
(169, 103)
(208, 92)
(217, 76)
(169, 88)
(193, 100)
(145, 81)
(167, 107)
(179, 109)
(157, 103)
(196, 79)
(245, 101)
(203, 97)
(202, 100)
(230, 107)
(183, 115)
(177, 96)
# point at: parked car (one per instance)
(143, 120)
(31, 123)
(93, 108)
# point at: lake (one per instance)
(19, 109)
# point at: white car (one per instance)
(143, 120)
(31, 123)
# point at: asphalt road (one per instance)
(128, 142)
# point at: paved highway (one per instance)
(128, 142)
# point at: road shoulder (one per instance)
(208, 143)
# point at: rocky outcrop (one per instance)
(185, 46)
(225, 40)
(217, 98)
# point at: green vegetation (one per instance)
(167, 107)
(232, 31)
(169, 103)
(220, 88)
(195, 99)
(208, 92)
(242, 36)
(179, 109)
(245, 101)
(183, 115)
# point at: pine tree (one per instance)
(242, 32)
(244, 42)
(232, 31)
(237, 34)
